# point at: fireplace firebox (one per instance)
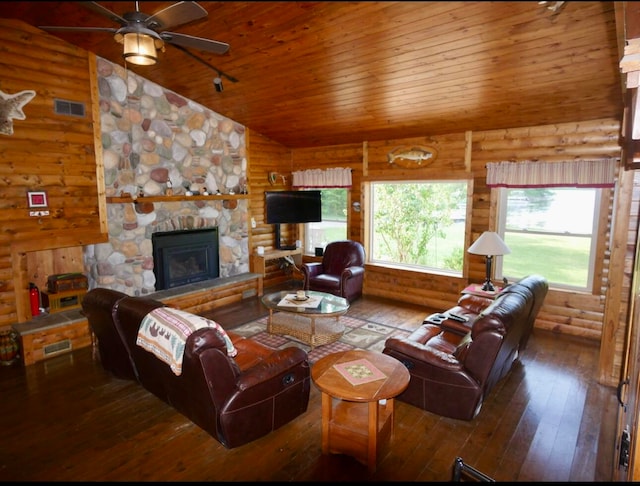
(184, 257)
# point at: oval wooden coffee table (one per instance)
(314, 322)
(358, 390)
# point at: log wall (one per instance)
(267, 156)
(46, 152)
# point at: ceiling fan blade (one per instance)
(177, 14)
(199, 43)
(78, 29)
(99, 9)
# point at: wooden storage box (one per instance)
(66, 281)
(62, 301)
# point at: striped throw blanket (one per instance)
(164, 332)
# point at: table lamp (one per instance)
(489, 244)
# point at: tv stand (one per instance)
(278, 245)
(258, 262)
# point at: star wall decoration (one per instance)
(11, 107)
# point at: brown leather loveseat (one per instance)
(235, 399)
(454, 365)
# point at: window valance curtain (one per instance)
(326, 178)
(572, 173)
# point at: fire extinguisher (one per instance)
(34, 299)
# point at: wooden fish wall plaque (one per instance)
(412, 157)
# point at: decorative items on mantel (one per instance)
(175, 197)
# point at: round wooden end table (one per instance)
(358, 390)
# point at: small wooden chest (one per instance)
(62, 301)
(64, 282)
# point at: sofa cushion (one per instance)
(326, 282)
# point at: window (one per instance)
(551, 232)
(419, 225)
(333, 226)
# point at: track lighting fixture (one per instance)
(217, 82)
(213, 68)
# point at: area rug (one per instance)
(358, 334)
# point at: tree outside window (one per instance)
(419, 224)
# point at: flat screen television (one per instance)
(292, 207)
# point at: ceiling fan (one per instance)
(144, 34)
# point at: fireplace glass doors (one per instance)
(184, 257)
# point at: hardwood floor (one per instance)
(66, 419)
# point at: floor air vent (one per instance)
(58, 347)
(71, 108)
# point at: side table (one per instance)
(476, 289)
(357, 419)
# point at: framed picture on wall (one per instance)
(37, 199)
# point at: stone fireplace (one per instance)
(184, 257)
(125, 262)
(159, 149)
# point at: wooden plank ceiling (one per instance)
(324, 73)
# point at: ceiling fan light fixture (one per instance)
(140, 45)
(139, 49)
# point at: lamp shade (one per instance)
(141, 45)
(489, 244)
(139, 49)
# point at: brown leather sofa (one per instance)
(235, 399)
(341, 271)
(454, 365)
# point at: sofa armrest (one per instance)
(351, 272)
(475, 304)
(424, 354)
(279, 362)
(312, 269)
(457, 327)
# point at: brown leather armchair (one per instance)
(341, 271)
